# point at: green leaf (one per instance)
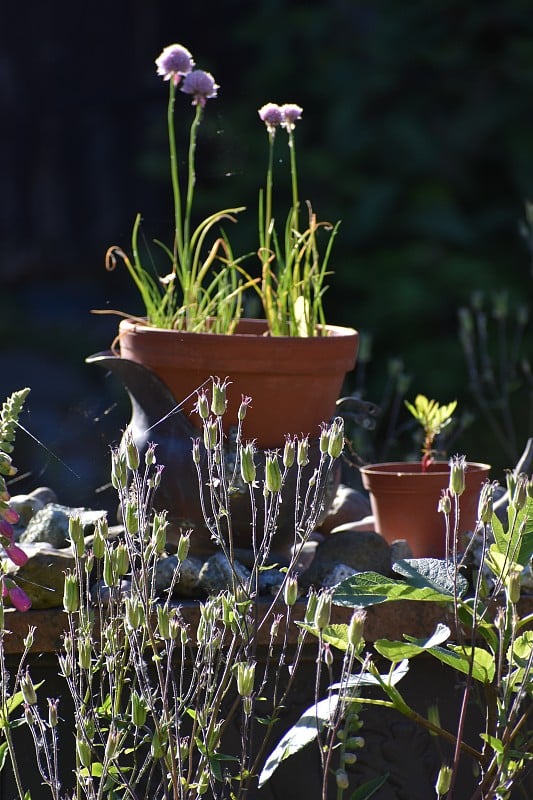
(369, 788)
(434, 573)
(3, 754)
(370, 588)
(302, 733)
(459, 658)
(397, 651)
(368, 679)
(335, 635)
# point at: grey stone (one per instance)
(26, 507)
(361, 550)
(43, 575)
(399, 550)
(186, 584)
(100, 592)
(44, 494)
(348, 505)
(51, 523)
(217, 574)
(269, 581)
(336, 574)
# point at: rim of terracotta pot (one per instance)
(409, 468)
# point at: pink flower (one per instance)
(200, 84)
(19, 598)
(6, 530)
(174, 62)
(10, 515)
(290, 112)
(271, 114)
(16, 554)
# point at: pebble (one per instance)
(360, 550)
(43, 575)
(217, 574)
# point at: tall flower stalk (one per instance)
(292, 273)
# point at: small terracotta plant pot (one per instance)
(294, 382)
(405, 500)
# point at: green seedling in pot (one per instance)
(433, 418)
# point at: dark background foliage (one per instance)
(417, 133)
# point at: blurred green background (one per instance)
(417, 133)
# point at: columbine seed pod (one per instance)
(302, 452)
(210, 434)
(485, 506)
(121, 559)
(457, 475)
(84, 652)
(202, 405)
(336, 438)
(323, 610)
(310, 611)
(52, 712)
(139, 710)
(28, 689)
(119, 473)
(133, 612)
(355, 628)
(341, 778)
(323, 441)
(218, 398)
(196, 457)
(513, 586)
(290, 590)
(163, 622)
(248, 470)
(132, 454)
(75, 530)
(243, 408)
(83, 750)
(183, 546)
(71, 593)
(444, 780)
(110, 576)
(445, 502)
(149, 456)
(132, 518)
(245, 678)
(289, 452)
(28, 640)
(519, 496)
(159, 532)
(273, 478)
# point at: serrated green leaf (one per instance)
(370, 588)
(302, 733)
(434, 573)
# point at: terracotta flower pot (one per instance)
(294, 382)
(405, 501)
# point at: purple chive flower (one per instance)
(271, 114)
(174, 62)
(19, 598)
(290, 113)
(201, 85)
(16, 555)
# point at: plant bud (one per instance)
(336, 438)
(75, 530)
(289, 452)
(218, 399)
(196, 457)
(112, 744)
(519, 496)
(323, 610)
(159, 532)
(149, 456)
(245, 678)
(110, 576)
(203, 783)
(444, 780)
(290, 590)
(273, 478)
(327, 655)
(133, 612)
(29, 716)
(248, 470)
(302, 452)
(457, 475)
(71, 593)
(341, 778)
(355, 629)
(28, 640)
(350, 758)
(156, 748)
(183, 546)
(323, 441)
